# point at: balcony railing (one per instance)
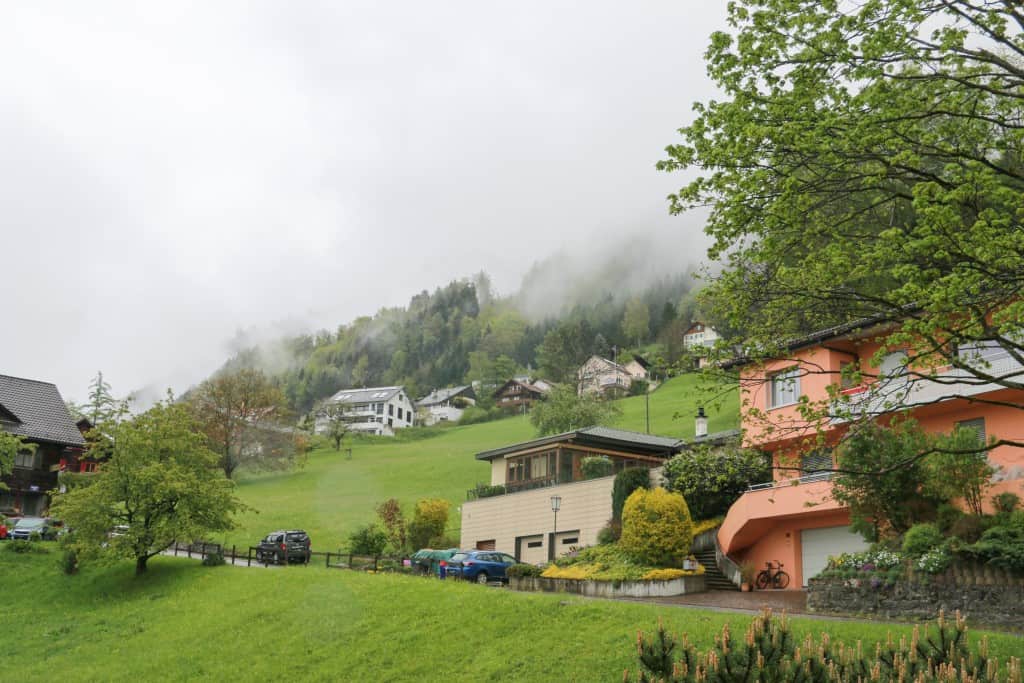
(796, 481)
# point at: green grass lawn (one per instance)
(183, 621)
(332, 495)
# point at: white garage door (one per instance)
(818, 544)
(532, 549)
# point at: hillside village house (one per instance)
(35, 411)
(377, 410)
(521, 521)
(697, 338)
(600, 375)
(445, 405)
(520, 393)
(794, 518)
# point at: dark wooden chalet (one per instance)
(35, 411)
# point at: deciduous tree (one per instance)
(246, 421)
(161, 483)
(564, 410)
(866, 161)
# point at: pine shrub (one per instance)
(768, 651)
(627, 481)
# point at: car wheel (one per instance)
(481, 578)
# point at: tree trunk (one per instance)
(140, 564)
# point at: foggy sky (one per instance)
(171, 173)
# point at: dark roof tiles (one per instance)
(40, 412)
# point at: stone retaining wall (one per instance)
(611, 589)
(982, 603)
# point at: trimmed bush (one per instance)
(596, 466)
(368, 540)
(656, 527)
(1001, 546)
(214, 559)
(610, 533)
(523, 570)
(921, 538)
(626, 482)
(488, 490)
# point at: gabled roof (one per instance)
(610, 363)
(531, 387)
(598, 437)
(366, 395)
(438, 396)
(39, 412)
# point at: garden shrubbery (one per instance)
(656, 527)
(769, 651)
(711, 479)
(627, 481)
(610, 563)
(596, 466)
(523, 570)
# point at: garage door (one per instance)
(532, 549)
(818, 544)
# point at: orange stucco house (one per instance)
(794, 519)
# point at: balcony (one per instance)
(32, 479)
(762, 507)
(900, 393)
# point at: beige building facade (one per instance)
(520, 521)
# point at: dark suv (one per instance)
(282, 547)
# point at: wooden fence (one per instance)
(332, 560)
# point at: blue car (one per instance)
(481, 566)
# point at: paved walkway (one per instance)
(792, 602)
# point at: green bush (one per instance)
(475, 415)
(596, 466)
(656, 527)
(214, 559)
(969, 528)
(921, 538)
(711, 479)
(523, 570)
(488, 490)
(68, 562)
(1006, 502)
(368, 540)
(610, 532)
(1001, 546)
(946, 517)
(627, 481)
(639, 387)
(769, 651)
(22, 547)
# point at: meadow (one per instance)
(183, 621)
(331, 494)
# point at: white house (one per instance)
(376, 410)
(699, 337)
(445, 405)
(600, 375)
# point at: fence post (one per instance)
(375, 558)
(350, 560)
(175, 548)
(327, 562)
(248, 557)
(234, 554)
(188, 549)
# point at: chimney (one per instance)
(702, 423)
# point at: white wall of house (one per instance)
(599, 374)
(381, 417)
(442, 413)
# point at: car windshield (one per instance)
(297, 538)
(458, 557)
(29, 524)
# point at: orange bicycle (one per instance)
(772, 576)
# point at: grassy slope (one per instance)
(183, 621)
(332, 495)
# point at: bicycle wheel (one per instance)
(762, 580)
(781, 579)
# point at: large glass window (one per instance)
(784, 387)
(532, 467)
(976, 425)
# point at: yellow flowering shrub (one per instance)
(669, 574)
(707, 525)
(656, 527)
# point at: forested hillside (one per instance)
(463, 332)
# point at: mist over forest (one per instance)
(620, 301)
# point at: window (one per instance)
(28, 460)
(812, 463)
(532, 467)
(570, 540)
(400, 414)
(391, 409)
(893, 365)
(977, 425)
(534, 544)
(785, 388)
(379, 407)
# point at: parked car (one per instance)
(481, 566)
(27, 526)
(281, 547)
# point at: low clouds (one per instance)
(171, 174)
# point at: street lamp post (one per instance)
(556, 505)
